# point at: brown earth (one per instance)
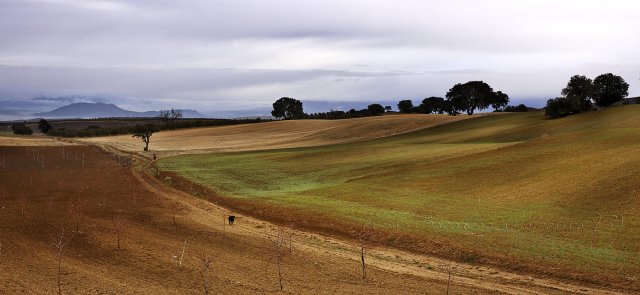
(39, 187)
(274, 135)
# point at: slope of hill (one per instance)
(279, 134)
(557, 197)
(103, 110)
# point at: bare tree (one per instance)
(205, 263)
(278, 250)
(119, 227)
(175, 114)
(61, 242)
(450, 273)
(169, 116)
(76, 209)
(165, 115)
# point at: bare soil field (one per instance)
(31, 141)
(275, 135)
(86, 198)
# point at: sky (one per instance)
(234, 57)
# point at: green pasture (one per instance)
(562, 192)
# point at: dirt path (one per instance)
(489, 279)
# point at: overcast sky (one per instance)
(218, 56)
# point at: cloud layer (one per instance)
(244, 54)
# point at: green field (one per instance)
(514, 188)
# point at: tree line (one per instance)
(92, 131)
(461, 98)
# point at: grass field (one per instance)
(555, 196)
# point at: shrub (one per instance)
(21, 129)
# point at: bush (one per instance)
(563, 106)
(517, 109)
(21, 129)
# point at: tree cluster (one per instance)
(472, 96)
(467, 97)
(290, 108)
(335, 114)
(521, 108)
(581, 93)
(21, 129)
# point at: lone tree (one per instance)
(387, 108)
(470, 96)
(287, 108)
(169, 116)
(44, 126)
(375, 109)
(579, 91)
(609, 89)
(405, 106)
(144, 132)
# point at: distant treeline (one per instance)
(177, 124)
(461, 98)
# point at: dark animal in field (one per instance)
(231, 219)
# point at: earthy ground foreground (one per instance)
(80, 193)
(273, 135)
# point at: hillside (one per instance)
(554, 197)
(67, 193)
(274, 135)
(103, 110)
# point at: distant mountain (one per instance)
(87, 110)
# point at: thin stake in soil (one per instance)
(77, 210)
(362, 240)
(22, 202)
(205, 263)
(173, 213)
(449, 270)
(278, 245)
(119, 226)
(61, 242)
(184, 247)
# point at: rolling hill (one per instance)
(555, 197)
(278, 134)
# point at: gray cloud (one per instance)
(231, 55)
